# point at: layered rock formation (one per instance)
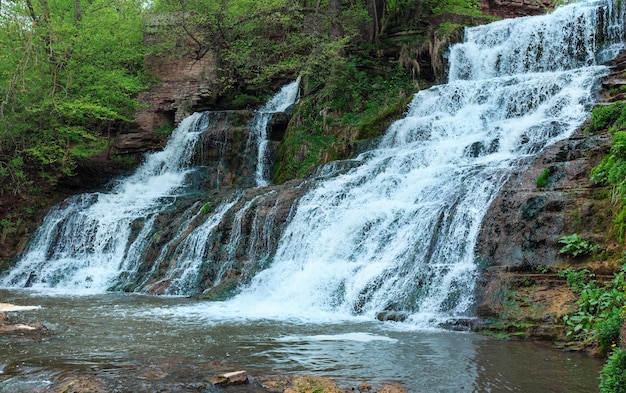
(519, 244)
(515, 8)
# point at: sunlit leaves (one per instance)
(68, 71)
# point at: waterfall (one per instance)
(389, 234)
(394, 237)
(284, 99)
(90, 241)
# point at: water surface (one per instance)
(114, 332)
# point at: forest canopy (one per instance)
(70, 70)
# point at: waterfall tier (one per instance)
(391, 235)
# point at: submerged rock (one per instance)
(8, 327)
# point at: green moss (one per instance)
(612, 171)
(543, 179)
(206, 208)
(605, 116)
(164, 131)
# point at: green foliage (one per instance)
(575, 246)
(164, 131)
(613, 375)
(604, 116)
(576, 279)
(612, 171)
(69, 71)
(600, 308)
(542, 180)
(607, 331)
(206, 208)
(460, 7)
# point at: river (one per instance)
(117, 337)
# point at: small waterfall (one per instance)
(283, 100)
(92, 240)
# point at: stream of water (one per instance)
(109, 334)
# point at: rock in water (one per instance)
(231, 378)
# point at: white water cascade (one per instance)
(285, 98)
(392, 237)
(395, 236)
(86, 243)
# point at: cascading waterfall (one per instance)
(88, 241)
(394, 235)
(286, 97)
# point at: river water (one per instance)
(115, 334)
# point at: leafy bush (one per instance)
(575, 246)
(607, 331)
(613, 376)
(604, 116)
(599, 316)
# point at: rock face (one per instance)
(525, 222)
(521, 231)
(184, 82)
(515, 8)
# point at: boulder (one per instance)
(231, 378)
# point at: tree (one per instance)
(69, 70)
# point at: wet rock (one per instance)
(396, 316)
(392, 388)
(277, 126)
(153, 374)
(231, 378)
(8, 307)
(312, 384)
(275, 384)
(8, 327)
(78, 384)
(21, 328)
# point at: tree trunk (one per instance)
(376, 11)
(334, 11)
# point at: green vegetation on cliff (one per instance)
(359, 68)
(69, 71)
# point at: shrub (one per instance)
(607, 331)
(575, 246)
(613, 376)
(604, 116)
(599, 316)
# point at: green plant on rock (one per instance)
(575, 246)
(612, 171)
(605, 116)
(206, 208)
(600, 308)
(542, 180)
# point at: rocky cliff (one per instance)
(519, 244)
(515, 8)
